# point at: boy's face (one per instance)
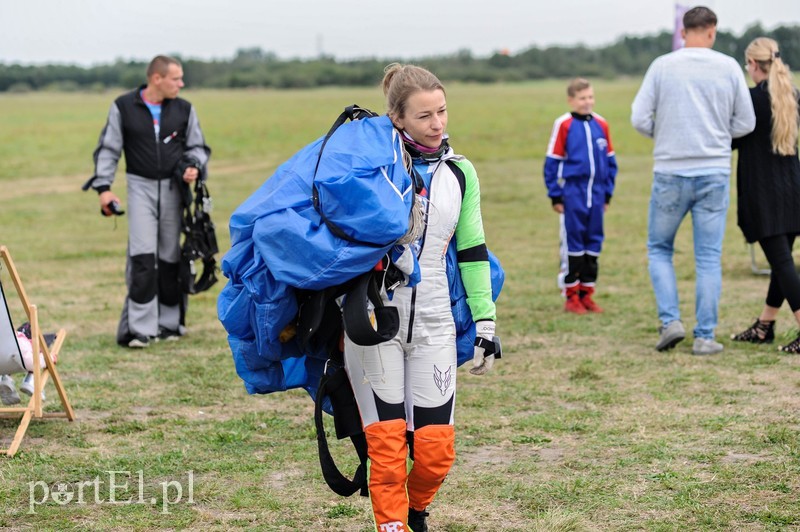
(582, 102)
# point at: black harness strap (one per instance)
(348, 423)
(319, 326)
(200, 240)
(459, 173)
(356, 313)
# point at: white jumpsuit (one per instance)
(408, 383)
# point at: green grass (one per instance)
(581, 425)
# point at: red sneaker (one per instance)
(573, 303)
(587, 301)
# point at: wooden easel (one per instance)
(40, 374)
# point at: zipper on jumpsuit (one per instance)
(590, 146)
(158, 207)
(411, 314)
(419, 254)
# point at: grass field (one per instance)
(581, 426)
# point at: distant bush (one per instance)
(67, 85)
(19, 87)
(97, 87)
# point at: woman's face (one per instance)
(425, 117)
(756, 74)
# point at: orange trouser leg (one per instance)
(434, 454)
(388, 451)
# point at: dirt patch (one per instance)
(281, 479)
(498, 515)
(737, 458)
(215, 514)
(142, 411)
(88, 416)
(490, 456)
(487, 456)
(552, 454)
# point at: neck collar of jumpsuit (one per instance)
(419, 152)
(578, 116)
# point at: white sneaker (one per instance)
(27, 385)
(8, 393)
(139, 342)
(670, 335)
(706, 346)
(168, 335)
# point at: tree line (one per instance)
(253, 67)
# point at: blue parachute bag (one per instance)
(326, 215)
(254, 308)
(320, 221)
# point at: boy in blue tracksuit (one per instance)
(579, 172)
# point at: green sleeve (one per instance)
(473, 258)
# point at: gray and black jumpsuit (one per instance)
(154, 157)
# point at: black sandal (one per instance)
(761, 332)
(792, 347)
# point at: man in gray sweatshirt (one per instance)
(692, 102)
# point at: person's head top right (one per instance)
(699, 27)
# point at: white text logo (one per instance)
(119, 488)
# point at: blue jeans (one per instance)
(707, 198)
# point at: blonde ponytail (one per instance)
(783, 99)
(782, 94)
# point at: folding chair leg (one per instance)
(753, 266)
(51, 369)
(37, 363)
(20, 434)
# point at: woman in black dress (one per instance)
(768, 182)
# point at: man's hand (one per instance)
(559, 208)
(485, 347)
(106, 198)
(190, 174)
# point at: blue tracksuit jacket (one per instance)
(579, 171)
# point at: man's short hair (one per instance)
(699, 17)
(577, 85)
(160, 65)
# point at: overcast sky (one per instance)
(87, 32)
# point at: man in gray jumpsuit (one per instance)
(165, 152)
